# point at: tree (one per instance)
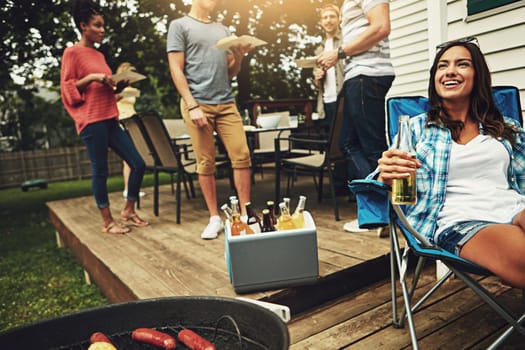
(36, 33)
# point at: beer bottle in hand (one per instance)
(298, 215)
(267, 222)
(404, 190)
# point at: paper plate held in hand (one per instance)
(226, 43)
(308, 62)
(130, 75)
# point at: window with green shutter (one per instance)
(477, 6)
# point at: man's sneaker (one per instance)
(213, 229)
(353, 226)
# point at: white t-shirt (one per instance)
(329, 86)
(477, 186)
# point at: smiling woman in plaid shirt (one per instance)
(470, 167)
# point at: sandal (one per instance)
(133, 220)
(115, 229)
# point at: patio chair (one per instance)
(151, 139)
(316, 163)
(179, 135)
(134, 128)
(375, 210)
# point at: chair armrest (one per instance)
(373, 204)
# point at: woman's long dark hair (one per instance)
(482, 106)
(82, 10)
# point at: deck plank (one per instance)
(455, 318)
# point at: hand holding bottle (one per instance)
(396, 164)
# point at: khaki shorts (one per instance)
(227, 122)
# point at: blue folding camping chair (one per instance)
(375, 210)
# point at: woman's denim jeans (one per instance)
(98, 137)
(362, 139)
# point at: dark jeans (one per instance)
(362, 139)
(98, 137)
(330, 109)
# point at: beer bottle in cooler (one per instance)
(253, 221)
(238, 227)
(270, 206)
(285, 219)
(287, 201)
(298, 215)
(227, 211)
(267, 225)
(404, 190)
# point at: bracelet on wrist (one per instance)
(193, 107)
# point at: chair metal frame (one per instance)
(367, 192)
(316, 163)
(375, 210)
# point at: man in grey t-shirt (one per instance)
(202, 73)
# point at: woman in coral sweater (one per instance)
(88, 94)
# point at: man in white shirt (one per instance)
(330, 82)
(368, 77)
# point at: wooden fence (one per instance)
(57, 164)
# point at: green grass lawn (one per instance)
(37, 279)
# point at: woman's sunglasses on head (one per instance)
(468, 39)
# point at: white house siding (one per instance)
(409, 47)
(501, 37)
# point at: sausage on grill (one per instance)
(194, 341)
(154, 337)
(99, 341)
(99, 337)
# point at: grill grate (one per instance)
(220, 337)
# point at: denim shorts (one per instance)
(454, 237)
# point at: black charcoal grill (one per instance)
(230, 323)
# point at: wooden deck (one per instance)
(348, 307)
